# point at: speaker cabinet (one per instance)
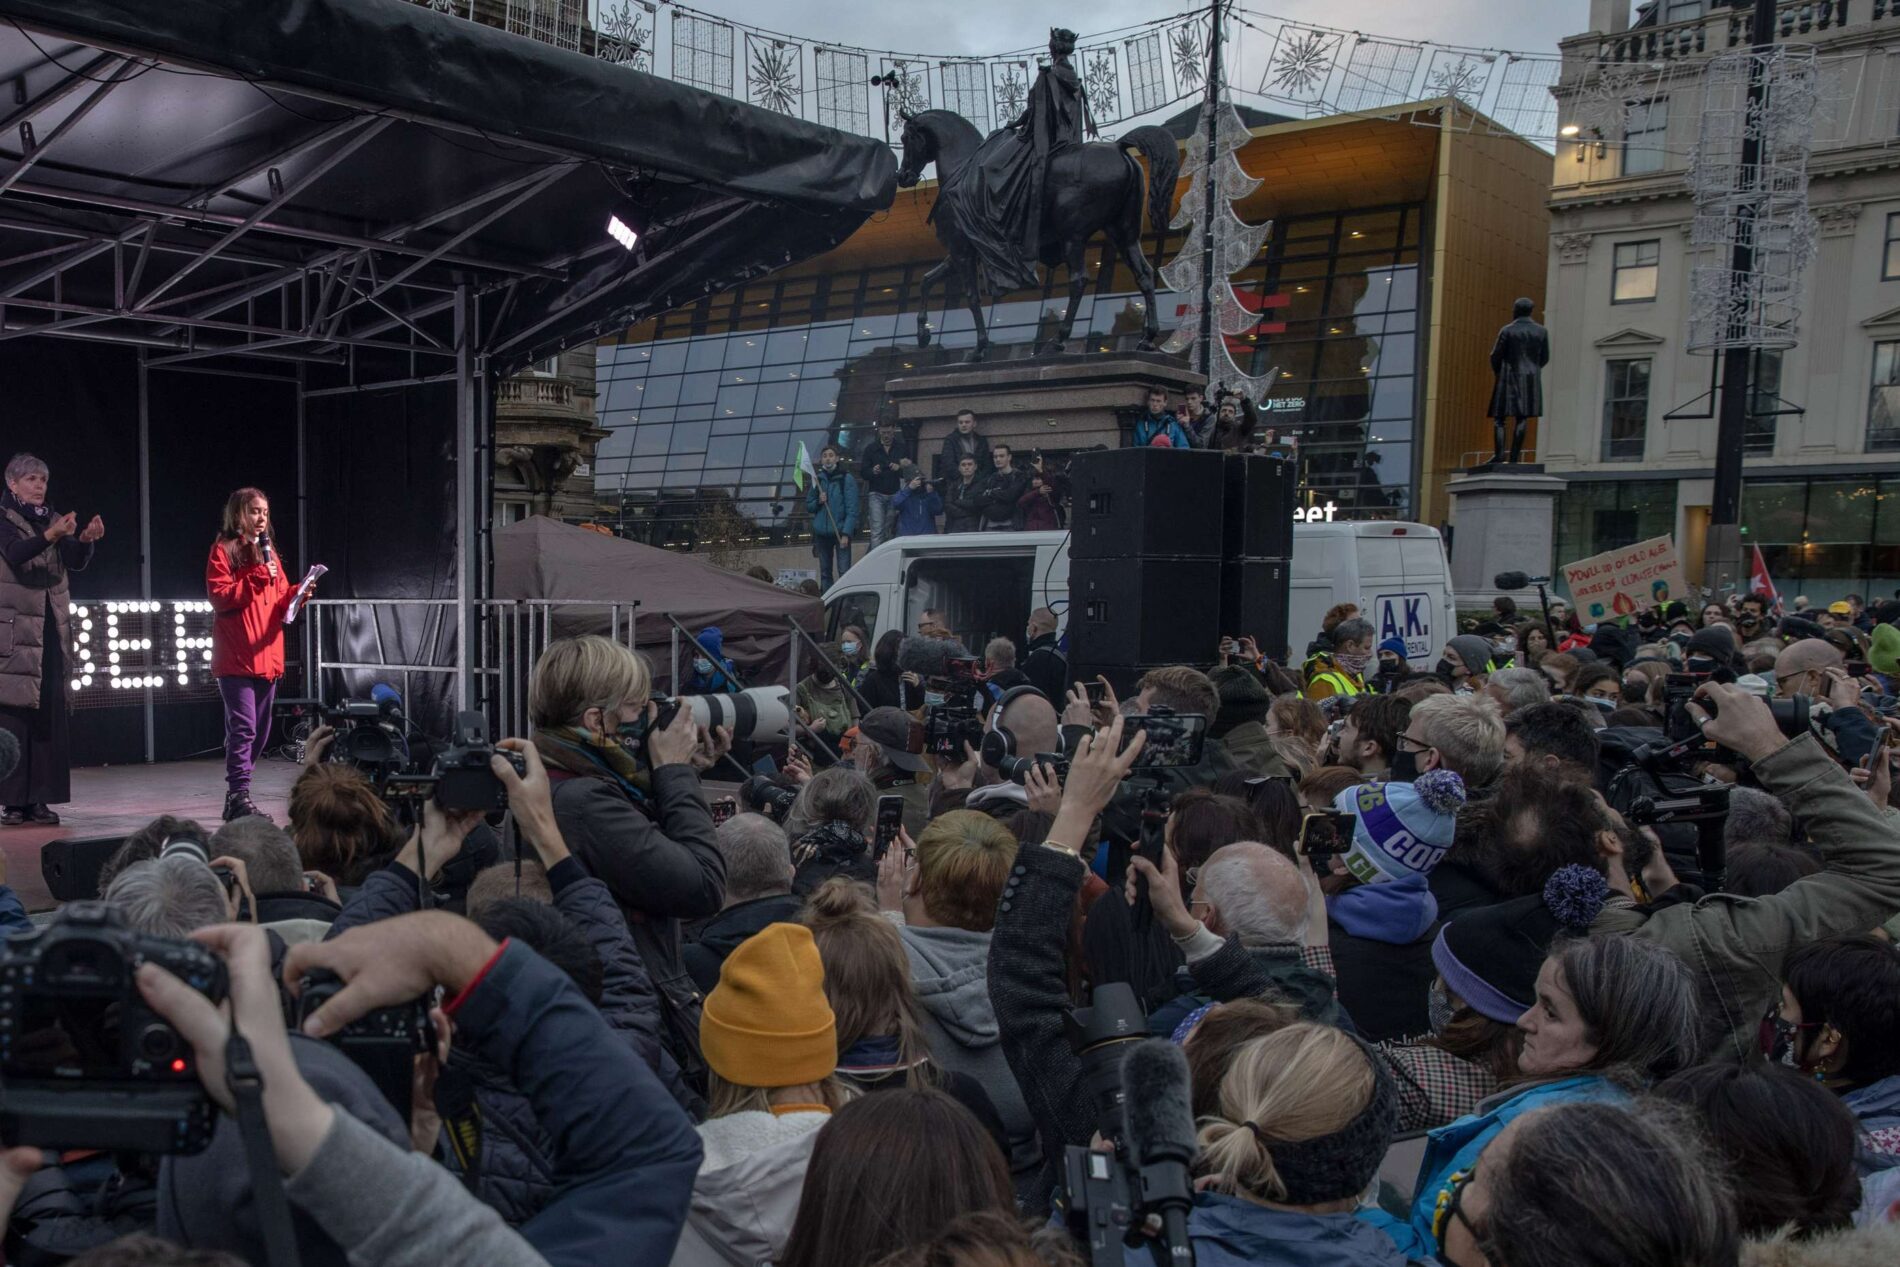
(1144, 611)
(1253, 601)
(1129, 502)
(71, 866)
(1259, 507)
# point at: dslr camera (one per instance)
(84, 1063)
(383, 1044)
(460, 780)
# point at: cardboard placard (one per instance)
(1625, 581)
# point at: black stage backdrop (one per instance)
(381, 504)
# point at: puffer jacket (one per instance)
(1230, 1232)
(1737, 946)
(746, 1195)
(949, 968)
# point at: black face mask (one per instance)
(1443, 670)
(1404, 767)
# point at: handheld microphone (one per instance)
(1158, 1128)
(270, 557)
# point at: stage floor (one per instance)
(118, 800)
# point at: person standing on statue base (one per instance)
(38, 548)
(249, 592)
(1517, 360)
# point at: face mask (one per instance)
(1404, 768)
(1438, 1007)
(849, 648)
(1352, 663)
(632, 732)
(1780, 1049)
(1507, 643)
(1443, 669)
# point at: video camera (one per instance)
(369, 732)
(84, 1062)
(384, 1044)
(461, 780)
(1140, 1098)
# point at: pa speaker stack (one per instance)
(1168, 549)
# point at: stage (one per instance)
(118, 800)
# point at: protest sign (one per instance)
(1624, 581)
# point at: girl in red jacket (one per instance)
(249, 592)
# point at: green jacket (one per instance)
(1249, 746)
(1737, 946)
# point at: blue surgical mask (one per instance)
(849, 648)
(702, 666)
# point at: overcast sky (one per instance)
(988, 26)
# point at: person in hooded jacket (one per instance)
(771, 1043)
(711, 672)
(948, 894)
(1305, 1117)
(916, 504)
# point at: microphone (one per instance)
(9, 753)
(387, 698)
(928, 657)
(270, 558)
(1158, 1129)
(1517, 581)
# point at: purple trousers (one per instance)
(247, 703)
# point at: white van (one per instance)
(986, 583)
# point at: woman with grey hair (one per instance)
(830, 827)
(38, 548)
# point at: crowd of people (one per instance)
(1445, 992)
(977, 485)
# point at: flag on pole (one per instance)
(802, 468)
(1759, 582)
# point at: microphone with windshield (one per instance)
(1523, 580)
(1158, 1132)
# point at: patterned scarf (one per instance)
(575, 750)
(37, 515)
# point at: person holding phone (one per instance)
(39, 548)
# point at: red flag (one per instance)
(1759, 582)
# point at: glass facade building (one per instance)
(704, 408)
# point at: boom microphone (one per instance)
(928, 657)
(1517, 581)
(1158, 1128)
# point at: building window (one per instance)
(1883, 404)
(1681, 10)
(1890, 257)
(1764, 402)
(547, 367)
(1633, 279)
(1625, 409)
(1643, 137)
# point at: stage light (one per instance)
(86, 680)
(183, 680)
(113, 658)
(75, 684)
(80, 612)
(113, 669)
(207, 657)
(622, 232)
(84, 637)
(84, 623)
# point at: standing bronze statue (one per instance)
(1518, 360)
(1035, 192)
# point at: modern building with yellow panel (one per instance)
(1399, 243)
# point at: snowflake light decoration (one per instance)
(1463, 79)
(441, 6)
(1302, 63)
(1099, 82)
(624, 39)
(1012, 90)
(904, 91)
(773, 76)
(1190, 61)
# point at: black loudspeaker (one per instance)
(1259, 507)
(70, 867)
(1253, 602)
(1129, 502)
(1144, 611)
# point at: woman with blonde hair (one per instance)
(628, 801)
(1306, 1114)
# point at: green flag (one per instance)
(802, 468)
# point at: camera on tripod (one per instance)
(368, 735)
(84, 1062)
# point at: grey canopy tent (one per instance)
(541, 558)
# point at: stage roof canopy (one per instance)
(312, 180)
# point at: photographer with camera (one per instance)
(628, 802)
(915, 505)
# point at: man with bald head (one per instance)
(1801, 668)
(1816, 668)
(1251, 894)
(1031, 721)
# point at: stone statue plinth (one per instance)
(1503, 520)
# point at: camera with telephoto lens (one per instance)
(384, 1044)
(768, 798)
(84, 1062)
(367, 736)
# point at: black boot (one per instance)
(239, 805)
(42, 815)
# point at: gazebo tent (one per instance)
(543, 558)
(295, 243)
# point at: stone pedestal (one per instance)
(1503, 520)
(1050, 402)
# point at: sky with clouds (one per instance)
(989, 26)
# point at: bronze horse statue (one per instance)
(1089, 189)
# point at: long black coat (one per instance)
(1518, 360)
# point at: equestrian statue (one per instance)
(1035, 192)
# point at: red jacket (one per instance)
(247, 630)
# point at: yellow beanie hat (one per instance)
(767, 1023)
